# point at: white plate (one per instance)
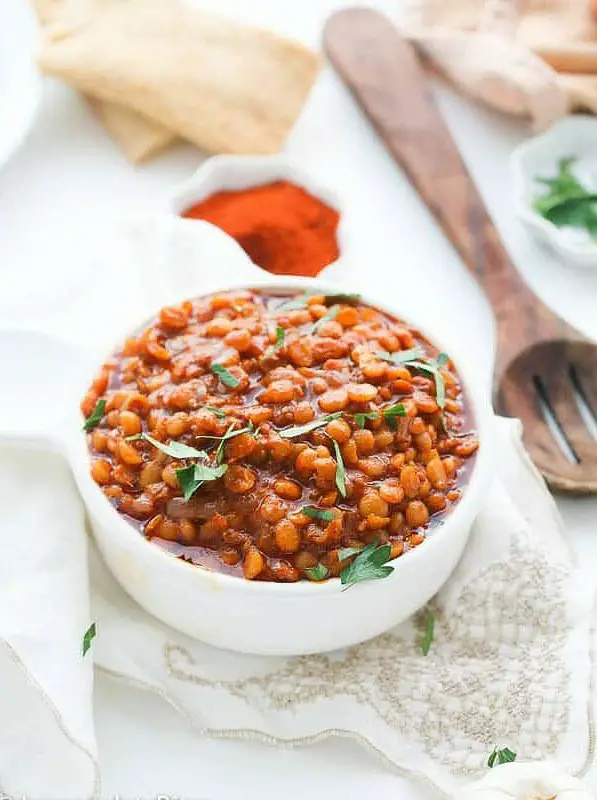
(20, 84)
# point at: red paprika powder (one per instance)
(283, 228)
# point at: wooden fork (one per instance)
(545, 371)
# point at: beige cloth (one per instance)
(156, 70)
(532, 58)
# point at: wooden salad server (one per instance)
(545, 371)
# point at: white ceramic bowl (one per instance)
(538, 158)
(234, 173)
(228, 611)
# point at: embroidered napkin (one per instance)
(510, 661)
(533, 60)
(158, 70)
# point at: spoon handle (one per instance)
(383, 71)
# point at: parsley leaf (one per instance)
(567, 202)
(340, 470)
(318, 572)
(401, 357)
(230, 434)
(428, 638)
(175, 449)
(299, 430)
(368, 565)
(347, 299)
(503, 756)
(295, 304)
(411, 358)
(88, 637)
(191, 478)
(347, 552)
(217, 411)
(397, 410)
(332, 314)
(224, 375)
(361, 416)
(96, 416)
(273, 348)
(318, 513)
(303, 301)
(279, 338)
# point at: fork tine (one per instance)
(586, 372)
(518, 398)
(561, 397)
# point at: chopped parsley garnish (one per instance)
(411, 358)
(567, 202)
(279, 338)
(299, 430)
(88, 637)
(174, 449)
(429, 630)
(191, 478)
(273, 348)
(402, 357)
(332, 314)
(361, 416)
(369, 565)
(217, 411)
(318, 572)
(318, 513)
(347, 552)
(302, 302)
(224, 375)
(230, 433)
(96, 416)
(503, 756)
(397, 410)
(340, 470)
(295, 304)
(347, 299)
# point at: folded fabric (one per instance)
(510, 662)
(534, 60)
(160, 69)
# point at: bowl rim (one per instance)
(472, 494)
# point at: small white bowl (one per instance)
(223, 610)
(538, 158)
(233, 173)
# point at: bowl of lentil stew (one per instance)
(258, 451)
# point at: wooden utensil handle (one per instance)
(382, 70)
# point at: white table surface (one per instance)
(69, 178)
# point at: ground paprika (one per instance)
(283, 228)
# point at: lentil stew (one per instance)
(262, 434)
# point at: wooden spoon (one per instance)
(545, 371)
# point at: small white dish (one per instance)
(188, 260)
(234, 173)
(538, 158)
(20, 83)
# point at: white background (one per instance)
(69, 179)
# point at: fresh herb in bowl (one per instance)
(567, 203)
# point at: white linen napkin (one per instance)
(510, 662)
